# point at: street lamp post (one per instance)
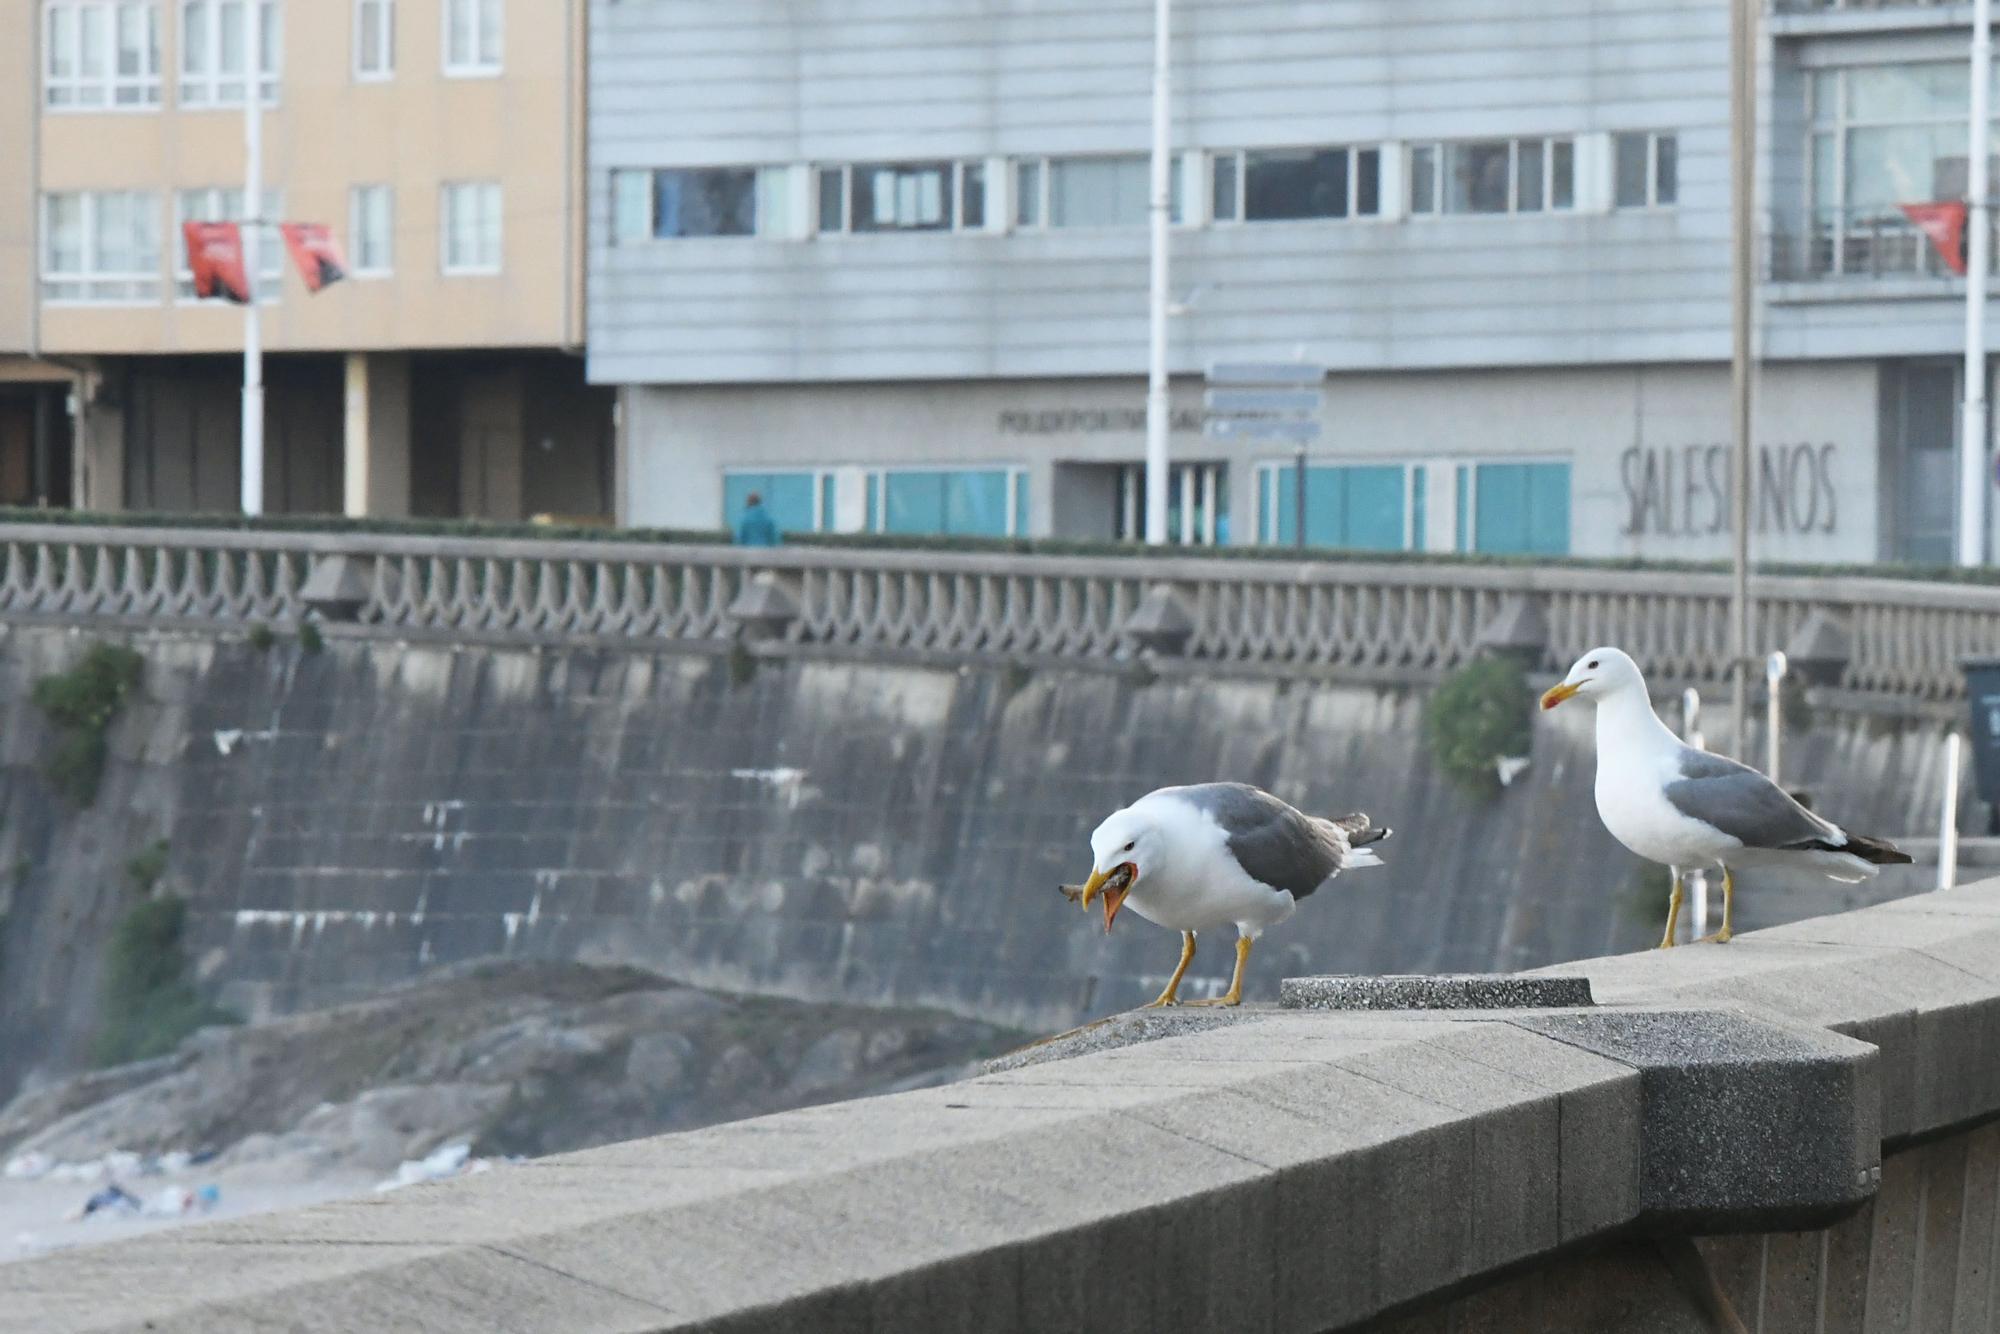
(253, 210)
(1972, 481)
(1743, 259)
(1158, 406)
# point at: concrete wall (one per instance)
(1792, 1134)
(348, 819)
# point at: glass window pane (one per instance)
(93, 42)
(1888, 165)
(831, 204)
(1825, 96)
(194, 37)
(1295, 183)
(1028, 194)
(1528, 176)
(65, 235)
(458, 41)
(631, 206)
(1629, 171)
(1020, 504)
(914, 502)
(1224, 171)
(1098, 192)
(491, 31)
(1368, 182)
(1475, 177)
(1423, 180)
(1936, 91)
(975, 503)
(1666, 169)
(973, 178)
(1825, 173)
(774, 201)
(901, 196)
(1523, 508)
(709, 201)
(1562, 173)
(232, 16)
(62, 42)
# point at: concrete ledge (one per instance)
(1291, 1171)
(1444, 991)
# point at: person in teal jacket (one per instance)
(756, 528)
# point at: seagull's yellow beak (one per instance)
(1114, 884)
(1556, 694)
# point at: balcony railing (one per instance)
(1308, 618)
(1859, 243)
(1854, 6)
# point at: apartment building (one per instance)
(441, 140)
(886, 264)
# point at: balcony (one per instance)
(1851, 245)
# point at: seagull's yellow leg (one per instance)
(1171, 995)
(1673, 911)
(1233, 996)
(1728, 909)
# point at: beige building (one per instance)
(441, 140)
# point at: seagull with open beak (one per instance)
(1197, 858)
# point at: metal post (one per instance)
(1695, 879)
(1158, 407)
(1947, 875)
(1742, 184)
(1978, 269)
(253, 217)
(1299, 500)
(1775, 668)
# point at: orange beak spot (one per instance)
(1556, 694)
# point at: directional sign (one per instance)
(1265, 373)
(1290, 429)
(1256, 401)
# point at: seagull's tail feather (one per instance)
(1874, 851)
(1359, 832)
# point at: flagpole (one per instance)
(1743, 257)
(253, 210)
(1978, 268)
(1158, 404)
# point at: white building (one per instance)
(885, 262)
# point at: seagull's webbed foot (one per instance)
(1728, 930)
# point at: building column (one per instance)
(376, 448)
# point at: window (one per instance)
(225, 204)
(1288, 184)
(472, 227)
(969, 502)
(1645, 170)
(631, 206)
(1884, 135)
(1361, 508)
(213, 43)
(371, 229)
(374, 39)
(676, 202)
(1516, 508)
(1197, 504)
(1098, 191)
(1028, 177)
(902, 197)
(100, 54)
(101, 246)
(473, 36)
(798, 502)
(1493, 176)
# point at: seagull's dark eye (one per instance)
(1133, 844)
(1592, 664)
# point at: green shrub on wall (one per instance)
(81, 702)
(149, 1003)
(1478, 714)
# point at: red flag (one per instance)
(215, 253)
(1945, 225)
(314, 251)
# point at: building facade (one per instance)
(886, 264)
(441, 140)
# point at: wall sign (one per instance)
(1683, 490)
(1088, 421)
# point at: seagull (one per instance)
(1685, 808)
(1195, 858)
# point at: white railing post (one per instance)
(1775, 668)
(1696, 878)
(1947, 875)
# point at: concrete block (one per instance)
(1941, 1231)
(1746, 1126)
(1979, 1236)
(1124, 1030)
(1844, 1303)
(1892, 1245)
(1792, 1274)
(1444, 991)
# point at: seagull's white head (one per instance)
(1121, 849)
(1597, 675)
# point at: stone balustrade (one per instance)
(1888, 636)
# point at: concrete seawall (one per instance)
(804, 825)
(1795, 1132)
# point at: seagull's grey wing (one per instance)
(1273, 843)
(1745, 805)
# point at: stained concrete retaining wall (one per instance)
(1831, 1084)
(872, 832)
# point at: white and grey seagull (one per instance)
(1686, 808)
(1202, 857)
